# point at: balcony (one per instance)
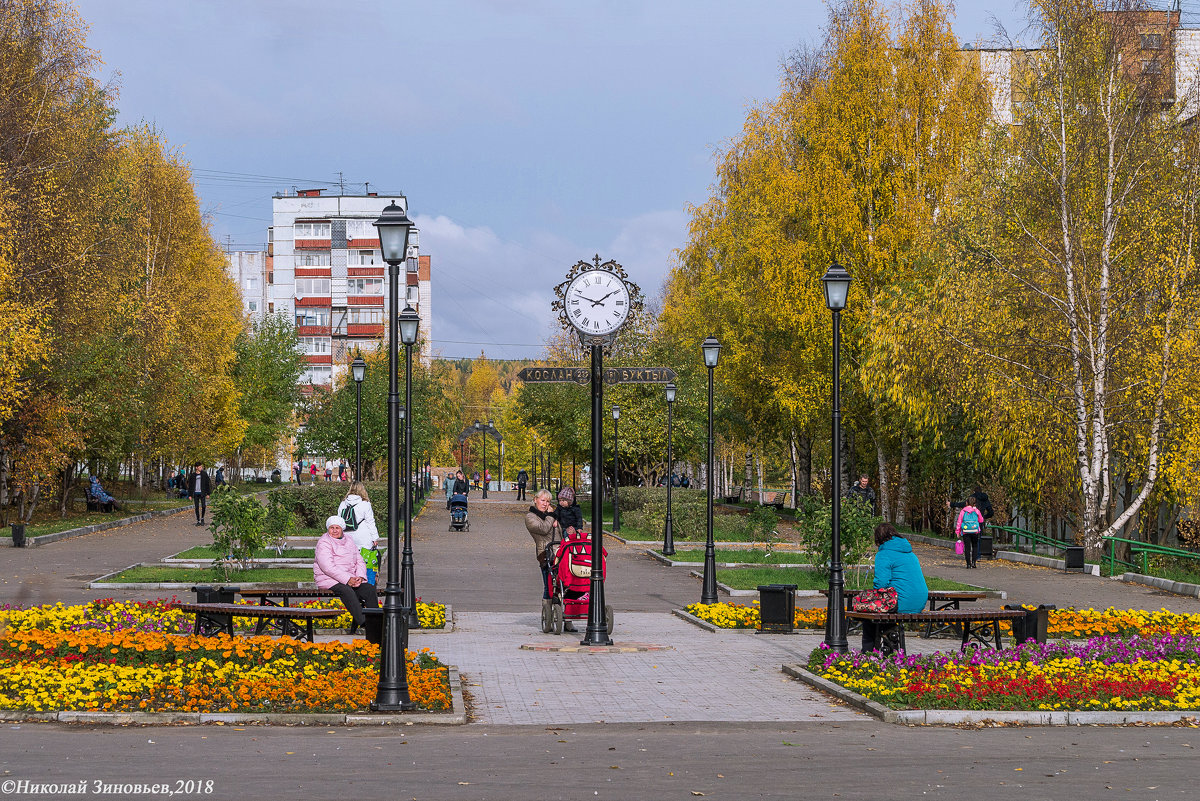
(312, 244)
(362, 244)
(364, 329)
(326, 301)
(363, 300)
(313, 331)
(320, 358)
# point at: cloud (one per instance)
(494, 295)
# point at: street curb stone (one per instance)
(575, 648)
(71, 533)
(958, 717)
(458, 715)
(1176, 587)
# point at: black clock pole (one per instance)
(597, 628)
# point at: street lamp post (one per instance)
(410, 323)
(708, 594)
(392, 693)
(487, 432)
(359, 369)
(668, 531)
(616, 413)
(836, 283)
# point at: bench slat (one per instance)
(254, 610)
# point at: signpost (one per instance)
(582, 375)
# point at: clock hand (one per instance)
(606, 297)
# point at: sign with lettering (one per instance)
(638, 375)
(547, 375)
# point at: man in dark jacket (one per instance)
(862, 492)
(199, 487)
(522, 480)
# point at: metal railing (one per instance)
(1143, 549)
(1018, 537)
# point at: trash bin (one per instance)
(777, 608)
(208, 594)
(1073, 558)
(18, 535)
(986, 548)
(1033, 626)
(373, 629)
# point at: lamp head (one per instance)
(358, 368)
(712, 351)
(616, 412)
(403, 412)
(410, 321)
(393, 226)
(670, 393)
(836, 283)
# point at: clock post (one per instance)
(597, 627)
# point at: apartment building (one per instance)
(323, 268)
(248, 269)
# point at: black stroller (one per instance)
(458, 514)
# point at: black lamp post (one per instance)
(487, 432)
(616, 413)
(358, 368)
(668, 531)
(836, 283)
(410, 322)
(392, 694)
(708, 594)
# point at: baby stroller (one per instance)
(458, 514)
(570, 582)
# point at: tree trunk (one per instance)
(758, 464)
(884, 482)
(33, 502)
(846, 479)
(793, 459)
(68, 483)
(902, 484)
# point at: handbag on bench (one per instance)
(884, 599)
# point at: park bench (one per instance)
(218, 618)
(94, 504)
(938, 600)
(280, 596)
(982, 626)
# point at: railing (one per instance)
(1145, 550)
(1018, 535)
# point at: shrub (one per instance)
(314, 503)
(632, 499)
(858, 533)
(238, 529)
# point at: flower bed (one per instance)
(1064, 623)
(126, 656)
(1103, 673)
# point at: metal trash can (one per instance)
(1033, 627)
(777, 608)
(1073, 558)
(18, 535)
(373, 628)
(986, 548)
(208, 594)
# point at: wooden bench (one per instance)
(218, 618)
(938, 600)
(983, 626)
(280, 596)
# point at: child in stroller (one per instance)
(458, 513)
(570, 583)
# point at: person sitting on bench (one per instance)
(100, 497)
(896, 566)
(339, 566)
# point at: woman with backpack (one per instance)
(967, 529)
(360, 526)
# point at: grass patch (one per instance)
(185, 575)
(80, 519)
(748, 578)
(208, 552)
(755, 557)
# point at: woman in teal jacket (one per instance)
(896, 566)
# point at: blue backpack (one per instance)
(970, 523)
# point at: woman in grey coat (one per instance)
(542, 526)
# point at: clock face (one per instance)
(597, 302)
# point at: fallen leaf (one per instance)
(697, 792)
(464, 784)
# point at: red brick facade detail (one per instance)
(364, 244)
(423, 268)
(365, 272)
(326, 302)
(314, 272)
(312, 244)
(320, 359)
(363, 300)
(314, 330)
(364, 329)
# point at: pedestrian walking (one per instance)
(542, 525)
(199, 487)
(967, 528)
(220, 477)
(522, 482)
(328, 472)
(862, 493)
(312, 473)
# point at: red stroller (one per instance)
(570, 583)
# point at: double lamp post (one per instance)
(399, 596)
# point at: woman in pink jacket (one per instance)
(968, 527)
(339, 567)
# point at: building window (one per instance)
(254, 305)
(312, 317)
(317, 374)
(1152, 41)
(362, 258)
(271, 308)
(318, 230)
(1152, 67)
(314, 346)
(316, 287)
(361, 229)
(363, 286)
(270, 276)
(413, 296)
(312, 259)
(369, 316)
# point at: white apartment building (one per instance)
(323, 268)
(248, 269)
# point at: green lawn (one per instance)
(757, 557)
(208, 552)
(748, 578)
(56, 524)
(199, 575)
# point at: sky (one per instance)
(526, 134)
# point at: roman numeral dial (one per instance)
(599, 302)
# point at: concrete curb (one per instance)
(666, 560)
(102, 584)
(958, 717)
(719, 544)
(1011, 556)
(456, 717)
(82, 531)
(1176, 587)
(704, 624)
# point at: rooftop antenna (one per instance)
(341, 183)
(366, 187)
